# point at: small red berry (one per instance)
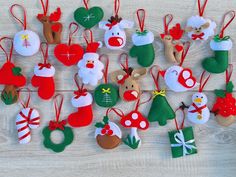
(107, 127)
(103, 131)
(110, 132)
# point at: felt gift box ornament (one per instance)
(26, 42)
(173, 47)
(198, 27)
(106, 94)
(57, 125)
(69, 54)
(28, 118)
(90, 68)
(10, 77)
(143, 48)
(126, 78)
(107, 133)
(160, 110)
(82, 100)
(178, 78)
(52, 28)
(115, 37)
(88, 17)
(43, 77)
(221, 45)
(182, 140)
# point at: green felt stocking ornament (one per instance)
(143, 48)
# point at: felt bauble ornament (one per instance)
(160, 110)
(28, 118)
(43, 77)
(82, 100)
(126, 78)
(143, 48)
(26, 42)
(10, 77)
(88, 17)
(221, 45)
(198, 27)
(90, 68)
(115, 37)
(69, 54)
(60, 126)
(106, 94)
(182, 141)
(173, 47)
(52, 28)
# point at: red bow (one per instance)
(80, 93)
(110, 25)
(196, 36)
(197, 109)
(44, 65)
(122, 81)
(54, 125)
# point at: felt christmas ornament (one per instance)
(182, 140)
(142, 40)
(171, 38)
(88, 17)
(90, 68)
(160, 110)
(107, 133)
(43, 77)
(52, 28)
(126, 78)
(106, 94)
(199, 27)
(60, 126)
(115, 37)
(221, 45)
(178, 78)
(26, 42)
(82, 100)
(28, 118)
(69, 54)
(10, 77)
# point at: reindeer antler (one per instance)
(55, 16)
(115, 18)
(176, 32)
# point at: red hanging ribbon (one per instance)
(72, 32)
(141, 18)
(176, 123)
(203, 83)
(90, 35)
(138, 103)
(81, 91)
(155, 78)
(185, 51)
(105, 71)
(232, 12)
(228, 73)
(126, 66)
(8, 57)
(116, 7)
(24, 22)
(86, 4)
(167, 20)
(45, 56)
(201, 9)
(119, 112)
(45, 7)
(26, 104)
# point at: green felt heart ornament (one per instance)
(88, 18)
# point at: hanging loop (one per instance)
(228, 73)
(201, 9)
(8, 56)
(118, 112)
(88, 34)
(116, 7)
(58, 98)
(44, 51)
(155, 77)
(185, 52)
(139, 103)
(232, 13)
(105, 71)
(203, 82)
(86, 4)
(24, 22)
(24, 104)
(141, 18)
(167, 20)
(72, 31)
(45, 6)
(124, 66)
(176, 123)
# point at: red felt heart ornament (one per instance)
(179, 48)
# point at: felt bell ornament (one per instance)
(43, 77)
(106, 94)
(52, 28)
(160, 110)
(221, 45)
(82, 100)
(115, 37)
(127, 79)
(10, 77)
(171, 38)
(90, 67)
(142, 40)
(26, 42)
(88, 17)
(199, 27)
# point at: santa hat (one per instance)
(91, 50)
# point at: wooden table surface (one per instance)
(83, 158)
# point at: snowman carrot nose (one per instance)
(197, 100)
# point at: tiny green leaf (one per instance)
(16, 71)
(229, 87)
(105, 119)
(99, 125)
(220, 93)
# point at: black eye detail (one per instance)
(197, 96)
(126, 87)
(112, 34)
(132, 86)
(202, 97)
(118, 33)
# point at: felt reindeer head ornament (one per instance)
(115, 37)
(126, 78)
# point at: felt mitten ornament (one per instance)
(90, 67)
(43, 77)
(57, 125)
(26, 42)
(221, 45)
(143, 48)
(52, 28)
(82, 100)
(88, 17)
(160, 110)
(69, 54)
(106, 94)
(115, 37)
(173, 47)
(28, 118)
(198, 27)
(126, 78)
(10, 77)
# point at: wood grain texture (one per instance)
(83, 158)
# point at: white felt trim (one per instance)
(82, 100)
(221, 46)
(140, 40)
(90, 55)
(115, 128)
(44, 72)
